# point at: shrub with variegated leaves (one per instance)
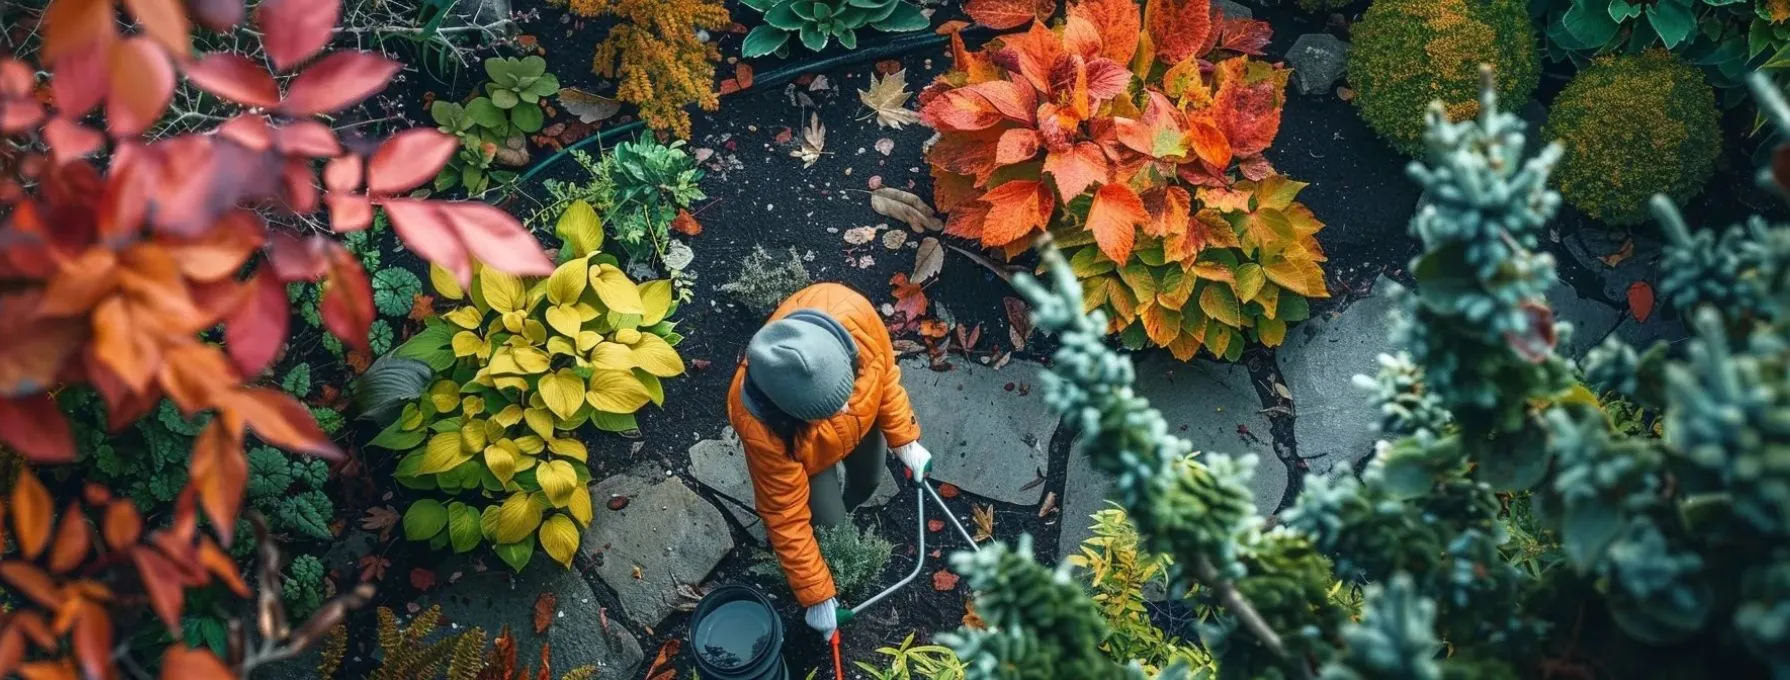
(1137, 141)
(520, 369)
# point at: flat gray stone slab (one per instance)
(1318, 60)
(720, 465)
(666, 531)
(1591, 320)
(1207, 403)
(496, 598)
(987, 429)
(1334, 420)
(1232, 10)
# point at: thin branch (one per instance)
(1244, 611)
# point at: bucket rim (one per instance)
(728, 594)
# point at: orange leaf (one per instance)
(93, 641)
(72, 26)
(1640, 300)
(1170, 210)
(81, 283)
(943, 580)
(1001, 14)
(1033, 53)
(1118, 23)
(742, 73)
(971, 154)
(221, 565)
(33, 583)
(1178, 28)
(1114, 217)
(1015, 210)
(35, 349)
(61, 669)
(947, 490)
(545, 605)
(667, 655)
(1075, 169)
(182, 663)
(686, 224)
(32, 513)
(1016, 145)
(12, 649)
(164, 583)
(952, 27)
(1161, 324)
(123, 346)
(221, 250)
(1249, 103)
(33, 425)
(142, 83)
(347, 298)
(959, 110)
(278, 419)
(122, 524)
(219, 472)
(910, 299)
(421, 307)
(195, 375)
(72, 540)
(1209, 143)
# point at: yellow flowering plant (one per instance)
(520, 367)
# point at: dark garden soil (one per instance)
(760, 196)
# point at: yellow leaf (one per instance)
(560, 538)
(567, 282)
(580, 505)
(612, 356)
(472, 405)
(501, 461)
(511, 520)
(616, 392)
(558, 346)
(510, 382)
(615, 290)
(539, 420)
(1249, 281)
(411, 418)
(512, 321)
(531, 444)
(534, 332)
(570, 448)
(532, 360)
(656, 356)
(473, 435)
(444, 395)
(655, 298)
(1294, 269)
(442, 454)
(504, 292)
(627, 336)
(1161, 325)
(465, 317)
(588, 340)
(509, 416)
(1277, 192)
(1272, 331)
(563, 319)
(557, 478)
(1221, 305)
(468, 343)
(563, 391)
(580, 229)
(445, 285)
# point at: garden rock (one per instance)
(1591, 320)
(987, 429)
(493, 599)
(720, 465)
(1318, 60)
(665, 536)
(1333, 420)
(1207, 403)
(1232, 10)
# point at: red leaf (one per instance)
(235, 78)
(910, 299)
(163, 581)
(1107, 79)
(935, 525)
(344, 173)
(1248, 112)
(298, 259)
(1002, 14)
(1118, 23)
(1075, 169)
(349, 212)
(943, 580)
(33, 425)
(296, 29)
(1244, 36)
(69, 140)
(545, 605)
(93, 641)
(425, 232)
(142, 82)
(686, 224)
(336, 82)
(422, 579)
(347, 298)
(496, 238)
(217, 15)
(408, 159)
(1015, 210)
(742, 74)
(72, 27)
(181, 663)
(257, 328)
(307, 138)
(1178, 28)
(1640, 300)
(947, 491)
(959, 110)
(220, 471)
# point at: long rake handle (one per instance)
(919, 561)
(947, 510)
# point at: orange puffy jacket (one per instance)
(780, 476)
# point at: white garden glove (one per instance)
(824, 618)
(917, 459)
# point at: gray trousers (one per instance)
(832, 496)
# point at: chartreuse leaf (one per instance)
(442, 454)
(570, 448)
(506, 296)
(563, 290)
(557, 479)
(539, 420)
(512, 520)
(655, 299)
(463, 526)
(502, 459)
(445, 285)
(580, 229)
(560, 538)
(612, 356)
(612, 286)
(424, 519)
(563, 392)
(654, 355)
(616, 392)
(1220, 304)
(469, 318)
(579, 505)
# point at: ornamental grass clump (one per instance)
(519, 370)
(1633, 126)
(1408, 53)
(1138, 145)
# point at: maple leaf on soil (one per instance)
(1178, 28)
(887, 100)
(943, 580)
(910, 299)
(422, 579)
(1001, 14)
(545, 605)
(1114, 217)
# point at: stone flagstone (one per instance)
(1318, 60)
(666, 531)
(1591, 320)
(1334, 420)
(720, 465)
(496, 598)
(1204, 402)
(988, 430)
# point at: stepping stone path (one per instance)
(662, 537)
(1333, 420)
(988, 430)
(1591, 320)
(1207, 403)
(720, 465)
(491, 600)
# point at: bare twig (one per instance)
(1244, 611)
(1005, 273)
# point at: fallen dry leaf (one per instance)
(1623, 253)
(544, 608)
(421, 307)
(686, 224)
(814, 142)
(904, 346)
(639, 573)
(380, 519)
(422, 579)
(618, 502)
(885, 146)
(662, 662)
(1640, 300)
(372, 567)
(935, 525)
(1281, 390)
(587, 106)
(888, 66)
(1019, 322)
(887, 101)
(943, 580)
(929, 260)
(947, 491)
(934, 328)
(894, 239)
(1050, 503)
(952, 26)
(910, 300)
(983, 516)
(971, 619)
(858, 236)
(908, 208)
(967, 339)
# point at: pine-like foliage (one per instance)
(406, 653)
(1638, 552)
(655, 49)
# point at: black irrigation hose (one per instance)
(898, 45)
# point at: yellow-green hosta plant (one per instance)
(520, 368)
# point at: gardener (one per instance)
(818, 391)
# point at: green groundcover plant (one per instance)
(1673, 547)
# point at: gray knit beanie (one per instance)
(805, 364)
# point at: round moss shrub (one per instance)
(1408, 53)
(1633, 126)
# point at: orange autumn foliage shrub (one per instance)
(1136, 140)
(117, 253)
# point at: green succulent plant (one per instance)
(517, 86)
(473, 167)
(819, 22)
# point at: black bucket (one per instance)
(736, 635)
